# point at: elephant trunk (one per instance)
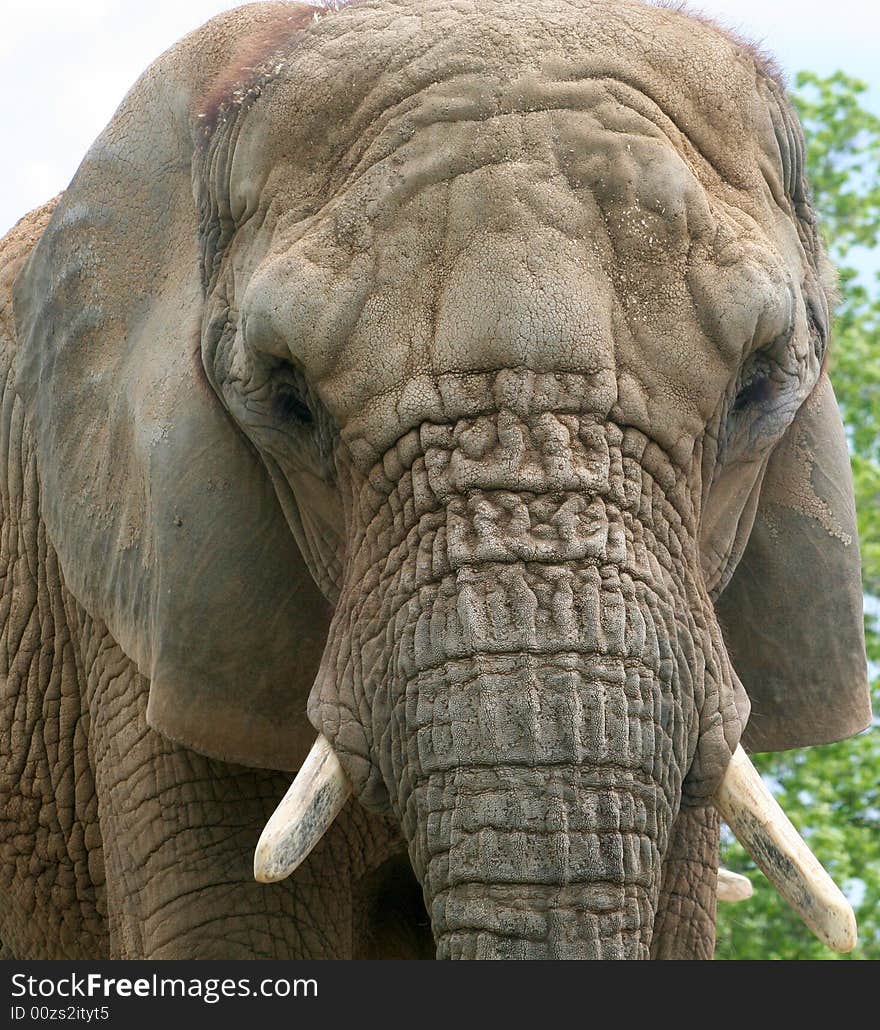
(519, 668)
(544, 866)
(537, 790)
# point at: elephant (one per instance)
(428, 398)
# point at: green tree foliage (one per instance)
(832, 793)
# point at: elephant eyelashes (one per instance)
(290, 396)
(756, 384)
(817, 328)
(292, 406)
(758, 401)
(756, 391)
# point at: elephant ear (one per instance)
(166, 525)
(792, 613)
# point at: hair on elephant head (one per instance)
(447, 380)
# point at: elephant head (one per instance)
(453, 372)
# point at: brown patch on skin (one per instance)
(248, 61)
(253, 56)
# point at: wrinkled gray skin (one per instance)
(486, 318)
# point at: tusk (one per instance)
(733, 886)
(315, 798)
(763, 829)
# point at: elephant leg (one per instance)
(685, 924)
(179, 834)
(181, 879)
(52, 901)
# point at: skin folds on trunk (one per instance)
(537, 794)
(539, 821)
(516, 668)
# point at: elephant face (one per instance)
(501, 312)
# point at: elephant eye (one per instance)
(817, 329)
(761, 401)
(757, 390)
(291, 404)
(756, 384)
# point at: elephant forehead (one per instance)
(332, 91)
(567, 241)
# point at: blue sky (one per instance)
(64, 67)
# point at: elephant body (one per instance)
(451, 372)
